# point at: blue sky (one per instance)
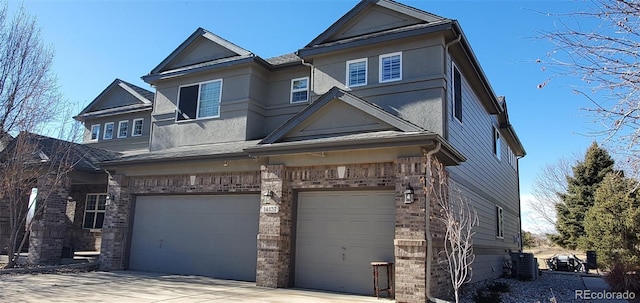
(98, 41)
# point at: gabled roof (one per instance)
(374, 18)
(142, 100)
(82, 157)
(202, 48)
(378, 119)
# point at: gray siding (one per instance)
(487, 180)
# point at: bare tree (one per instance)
(458, 217)
(29, 98)
(29, 103)
(548, 184)
(599, 45)
(31, 162)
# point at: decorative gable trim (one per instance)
(338, 94)
(324, 37)
(199, 33)
(136, 91)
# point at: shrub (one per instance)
(486, 296)
(622, 278)
(499, 287)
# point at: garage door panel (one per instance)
(203, 235)
(339, 234)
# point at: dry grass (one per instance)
(546, 252)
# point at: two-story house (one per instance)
(302, 169)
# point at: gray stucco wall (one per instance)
(127, 144)
(416, 98)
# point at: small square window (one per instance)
(95, 132)
(391, 67)
(123, 129)
(137, 127)
(357, 72)
(108, 131)
(300, 90)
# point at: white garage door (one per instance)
(211, 236)
(339, 234)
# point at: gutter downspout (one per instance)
(428, 179)
(311, 78)
(446, 91)
(427, 230)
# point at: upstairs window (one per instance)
(108, 131)
(199, 101)
(123, 129)
(499, 222)
(391, 67)
(137, 127)
(357, 72)
(457, 94)
(496, 143)
(95, 132)
(94, 211)
(300, 90)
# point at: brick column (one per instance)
(274, 236)
(116, 226)
(50, 227)
(410, 243)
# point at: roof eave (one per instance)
(421, 139)
(153, 78)
(130, 162)
(310, 51)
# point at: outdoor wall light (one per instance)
(269, 194)
(408, 195)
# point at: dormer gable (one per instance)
(120, 96)
(199, 49)
(338, 113)
(374, 16)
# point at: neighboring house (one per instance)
(119, 118)
(67, 223)
(310, 153)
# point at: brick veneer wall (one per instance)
(119, 212)
(49, 229)
(274, 242)
(82, 239)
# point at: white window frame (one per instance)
(133, 127)
(366, 72)
(96, 210)
(499, 222)
(106, 126)
(199, 84)
(497, 143)
(455, 93)
(95, 127)
(126, 133)
(380, 74)
(293, 90)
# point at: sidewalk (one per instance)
(598, 288)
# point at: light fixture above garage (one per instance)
(408, 195)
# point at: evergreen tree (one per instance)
(579, 197)
(612, 225)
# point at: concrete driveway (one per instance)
(133, 286)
